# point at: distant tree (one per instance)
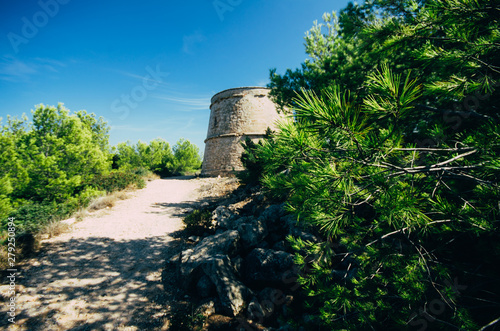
(161, 157)
(127, 156)
(187, 156)
(158, 157)
(98, 127)
(343, 51)
(13, 176)
(47, 163)
(60, 154)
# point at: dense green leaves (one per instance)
(391, 151)
(187, 157)
(158, 157)
(50, 158)
(46, 164)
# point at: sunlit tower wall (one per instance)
(235, 114)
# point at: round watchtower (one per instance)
(235, 114)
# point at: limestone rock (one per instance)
(238, 265)
(252, 233)
(205, 288)
(233, 294)
(255, 312)
(233, 222)
(274, 213)
(226, 243)
(266, 304)
(265, 266)
(206, 309)
(221, 215)
(282, 245)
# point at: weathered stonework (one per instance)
(234, 115)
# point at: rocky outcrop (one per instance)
(266, 267)
(233, 294)
(252, 232)
(246, 270)
(226, 243)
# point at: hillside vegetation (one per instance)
(391, 150)
(60, 162)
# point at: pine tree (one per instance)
(400, 174)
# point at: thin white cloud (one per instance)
(146, 76)
(50, 64)
(189, 42)
(15, 70)
(193, 103)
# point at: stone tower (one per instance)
(235, 114)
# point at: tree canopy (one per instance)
(391, 152)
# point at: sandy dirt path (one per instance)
(106, 274)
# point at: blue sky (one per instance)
(148, 67)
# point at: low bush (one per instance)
(141, 171)
(118, 180)
(198, 222)
(252, 161)
(31, 217)
(53, 229)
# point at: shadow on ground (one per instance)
(97, 284)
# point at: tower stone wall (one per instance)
(235, 114)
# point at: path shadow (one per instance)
(91, 270)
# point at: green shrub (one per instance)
(118, 180)
(88, 195)
(199, 222)
(187, 320)
(141, 171)
(251, 161)
(400, 175)
(30, 218)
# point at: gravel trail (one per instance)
(106, 274)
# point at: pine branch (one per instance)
(478, 180)
(490, 324)
(465, 149)
(454, 159)
(417, 170)
(464, 114)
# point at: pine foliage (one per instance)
(398, 167)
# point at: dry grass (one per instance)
(107, 201)
(220, 187)
(122, 195)
(4, 258)
(81, 214)
(151, 176)
(52, 229)
(102, 202)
